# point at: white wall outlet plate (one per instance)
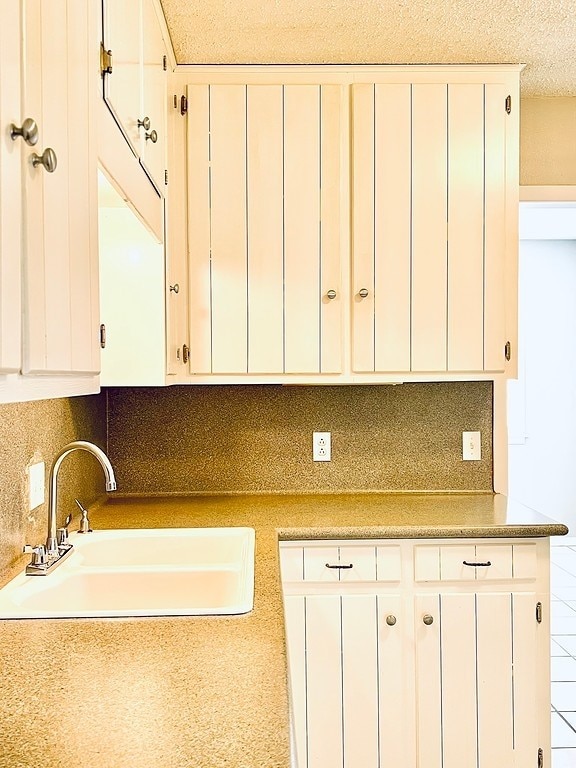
(321, 446)
(36, 474)
(471, 446)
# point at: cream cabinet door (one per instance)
(264, 234)
(429, 230)
(153, 141)
(60, 207)
(10, 187)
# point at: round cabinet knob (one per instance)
(427, 619)
(175, 288)
(152, 136)
(47, 160)
(144, 123)
(390, 620)
(28, 131)
(363, 293)
(331, 294)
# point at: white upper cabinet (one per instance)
(10, 188)
(429, 226)
(135, 85)
(48, 204)
(264, 202)
(352, 223)
(60, 192)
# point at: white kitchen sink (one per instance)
(142, 572)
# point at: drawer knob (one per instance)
(390, 620)
(363, 293)
(477, 565)
(427, 619)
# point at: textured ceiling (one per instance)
(539, 33)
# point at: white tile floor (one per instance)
(563, 621)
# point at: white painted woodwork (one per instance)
(388, 563)
(524, 561)
(301, 228)
(153, 154)
(228, 236)
(466, 227)
(324, 681)
(363, 560)
(429, 227)
(315, 561)
(374, 685)
(360, 682)
(10, 187)
(199, 292)
(500, 558)
(61, 289)
(265, 179)
(452, 559)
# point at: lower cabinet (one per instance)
(402, 667)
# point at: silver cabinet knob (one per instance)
(427, 619)
(390, 620)
(28, 131)
(145, 123)
(363, 292)
(152, 136)
(175, 288)
(331, 294)
(47, 160)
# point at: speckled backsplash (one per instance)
(36, 431)
(259, 438)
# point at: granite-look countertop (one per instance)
(200, 692)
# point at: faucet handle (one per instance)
(39, 555)
(62, 537)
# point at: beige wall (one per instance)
(259, 438)
(36, 431)
(548, 141)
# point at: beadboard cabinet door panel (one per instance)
(153, 106)
(265, 213)
(428, 688)
(10, 186)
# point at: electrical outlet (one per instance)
(36, 474)
(471, 446)
(321, 446)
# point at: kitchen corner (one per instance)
(204, 691)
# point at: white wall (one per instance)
(542, 403)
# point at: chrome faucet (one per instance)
(77, 445)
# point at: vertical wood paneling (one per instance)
(265, 229)
(458, 626)
(465, 227)
(324, 681)
(396, 740)
(362, 227)
(228, 228)
(200, 308)
(525, 689)
(429, 227)
(295, 615)
(360, 681)
(495, 227)
(83, 170)
(428, 683)
(301, 228)
(494, 632)
(330, 260)
(10, 180)
(392, 227)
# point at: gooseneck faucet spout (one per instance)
(77, 445)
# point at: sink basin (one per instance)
(142, 572)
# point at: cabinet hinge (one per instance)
(164, 63)
(175, 102)
(165, 178)
(508, 104)
(185, 353)
(105, 61)
(183, 105)
(507, 350)
(540, 758)
(103, 336)
(539, 612)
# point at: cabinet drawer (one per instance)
(474, 562)
(341, 563)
